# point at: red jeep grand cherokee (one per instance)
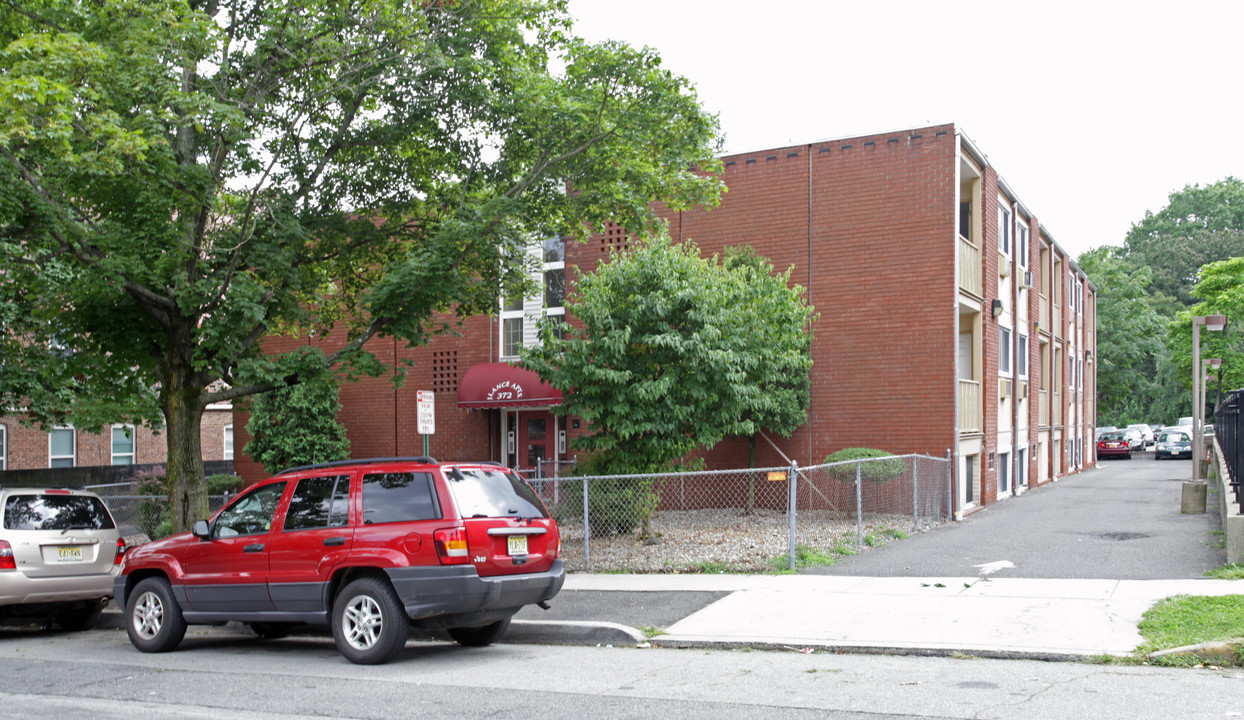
(366, 546)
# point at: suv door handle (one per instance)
(333, 541)
(254, 547)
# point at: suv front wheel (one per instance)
(370, 624)
(153, 618)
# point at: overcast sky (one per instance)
(1093, 112)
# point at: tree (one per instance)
(1221, 292)
(676, 352)
(180, 179)
(297, 426)
(1199, 225)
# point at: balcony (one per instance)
(970, 415)
(970, 267)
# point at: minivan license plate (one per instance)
(517, 544)
(70, 553)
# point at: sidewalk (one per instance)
(1000, 617)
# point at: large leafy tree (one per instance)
(672, 352)
(1221, 292)
(180, 179)
(1199, 225)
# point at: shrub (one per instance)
(870, 467)
(614, 504)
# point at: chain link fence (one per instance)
(744, 520)
(142, 517)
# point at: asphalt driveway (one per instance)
(1119, 521)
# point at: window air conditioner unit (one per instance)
(1004, 389)
(1023, 389)
(1029, 279)
(1004, 267)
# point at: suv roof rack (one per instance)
(364, 461)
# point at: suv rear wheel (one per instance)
(153, 618)
(370, 624)
(480, 636)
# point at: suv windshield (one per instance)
(56, 512)
(483, 492)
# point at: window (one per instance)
(1080, 375)
(1004, 469)
(250, 514)
(62, 446)
(1004, 230)
(1021, 244)
(1021, 356)
(4, 448)
(518, 313)
(1021, 468)
(399, 497)
(123, 444)
(319, 502)
(1004, 351)
(55, 512)
(228, 442)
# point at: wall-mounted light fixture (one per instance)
(997, 307)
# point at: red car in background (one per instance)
(1114, 443)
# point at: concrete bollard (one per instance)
(1193, 499)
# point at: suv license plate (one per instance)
(71, 553)
(517, 544)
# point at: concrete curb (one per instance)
(674, 642)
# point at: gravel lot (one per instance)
(724, 540)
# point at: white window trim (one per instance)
(1021, 351)
(227, 442)
(1021, 253)
(1009, 369)
(4, 447)
(133, 453)
(72, 458)
(1006, 228)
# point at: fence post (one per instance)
(791, 492)
(587, 532)
(915, 493)
(950, 485)
(859, 505)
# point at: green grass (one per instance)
(895, 534)
(1227, 572)
(805, 556)
(709, 567)
(651, 631)
(1187, 620)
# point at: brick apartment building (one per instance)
(950, 321)
(29, 448)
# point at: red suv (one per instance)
(366, 546)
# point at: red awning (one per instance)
(501, 385)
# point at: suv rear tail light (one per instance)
(451, 546)
(120, 556)
(6, 556)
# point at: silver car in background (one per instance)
(59, 552)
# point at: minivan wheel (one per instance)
(153, 618)
(370, 625)
(480, 636)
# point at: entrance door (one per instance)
(533, 433)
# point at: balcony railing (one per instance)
(970, 415)
(970, 267)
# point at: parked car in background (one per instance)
(1156, 428)
(366, 547)
(1184, 422)
(1104, 429)
(1173, 442)
(1134, 438)
(1114, 443)
(1145, 432)
(59, 554)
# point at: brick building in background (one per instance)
(950, 321)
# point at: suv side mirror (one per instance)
(201, 529)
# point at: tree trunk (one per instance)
(181, 402)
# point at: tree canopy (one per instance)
(180, 179)
(671, 352)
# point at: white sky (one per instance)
(1093, 111)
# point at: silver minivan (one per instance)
(59, 553)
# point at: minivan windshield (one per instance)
(493, 492)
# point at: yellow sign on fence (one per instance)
(776, 476)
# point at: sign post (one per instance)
(425, 415)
